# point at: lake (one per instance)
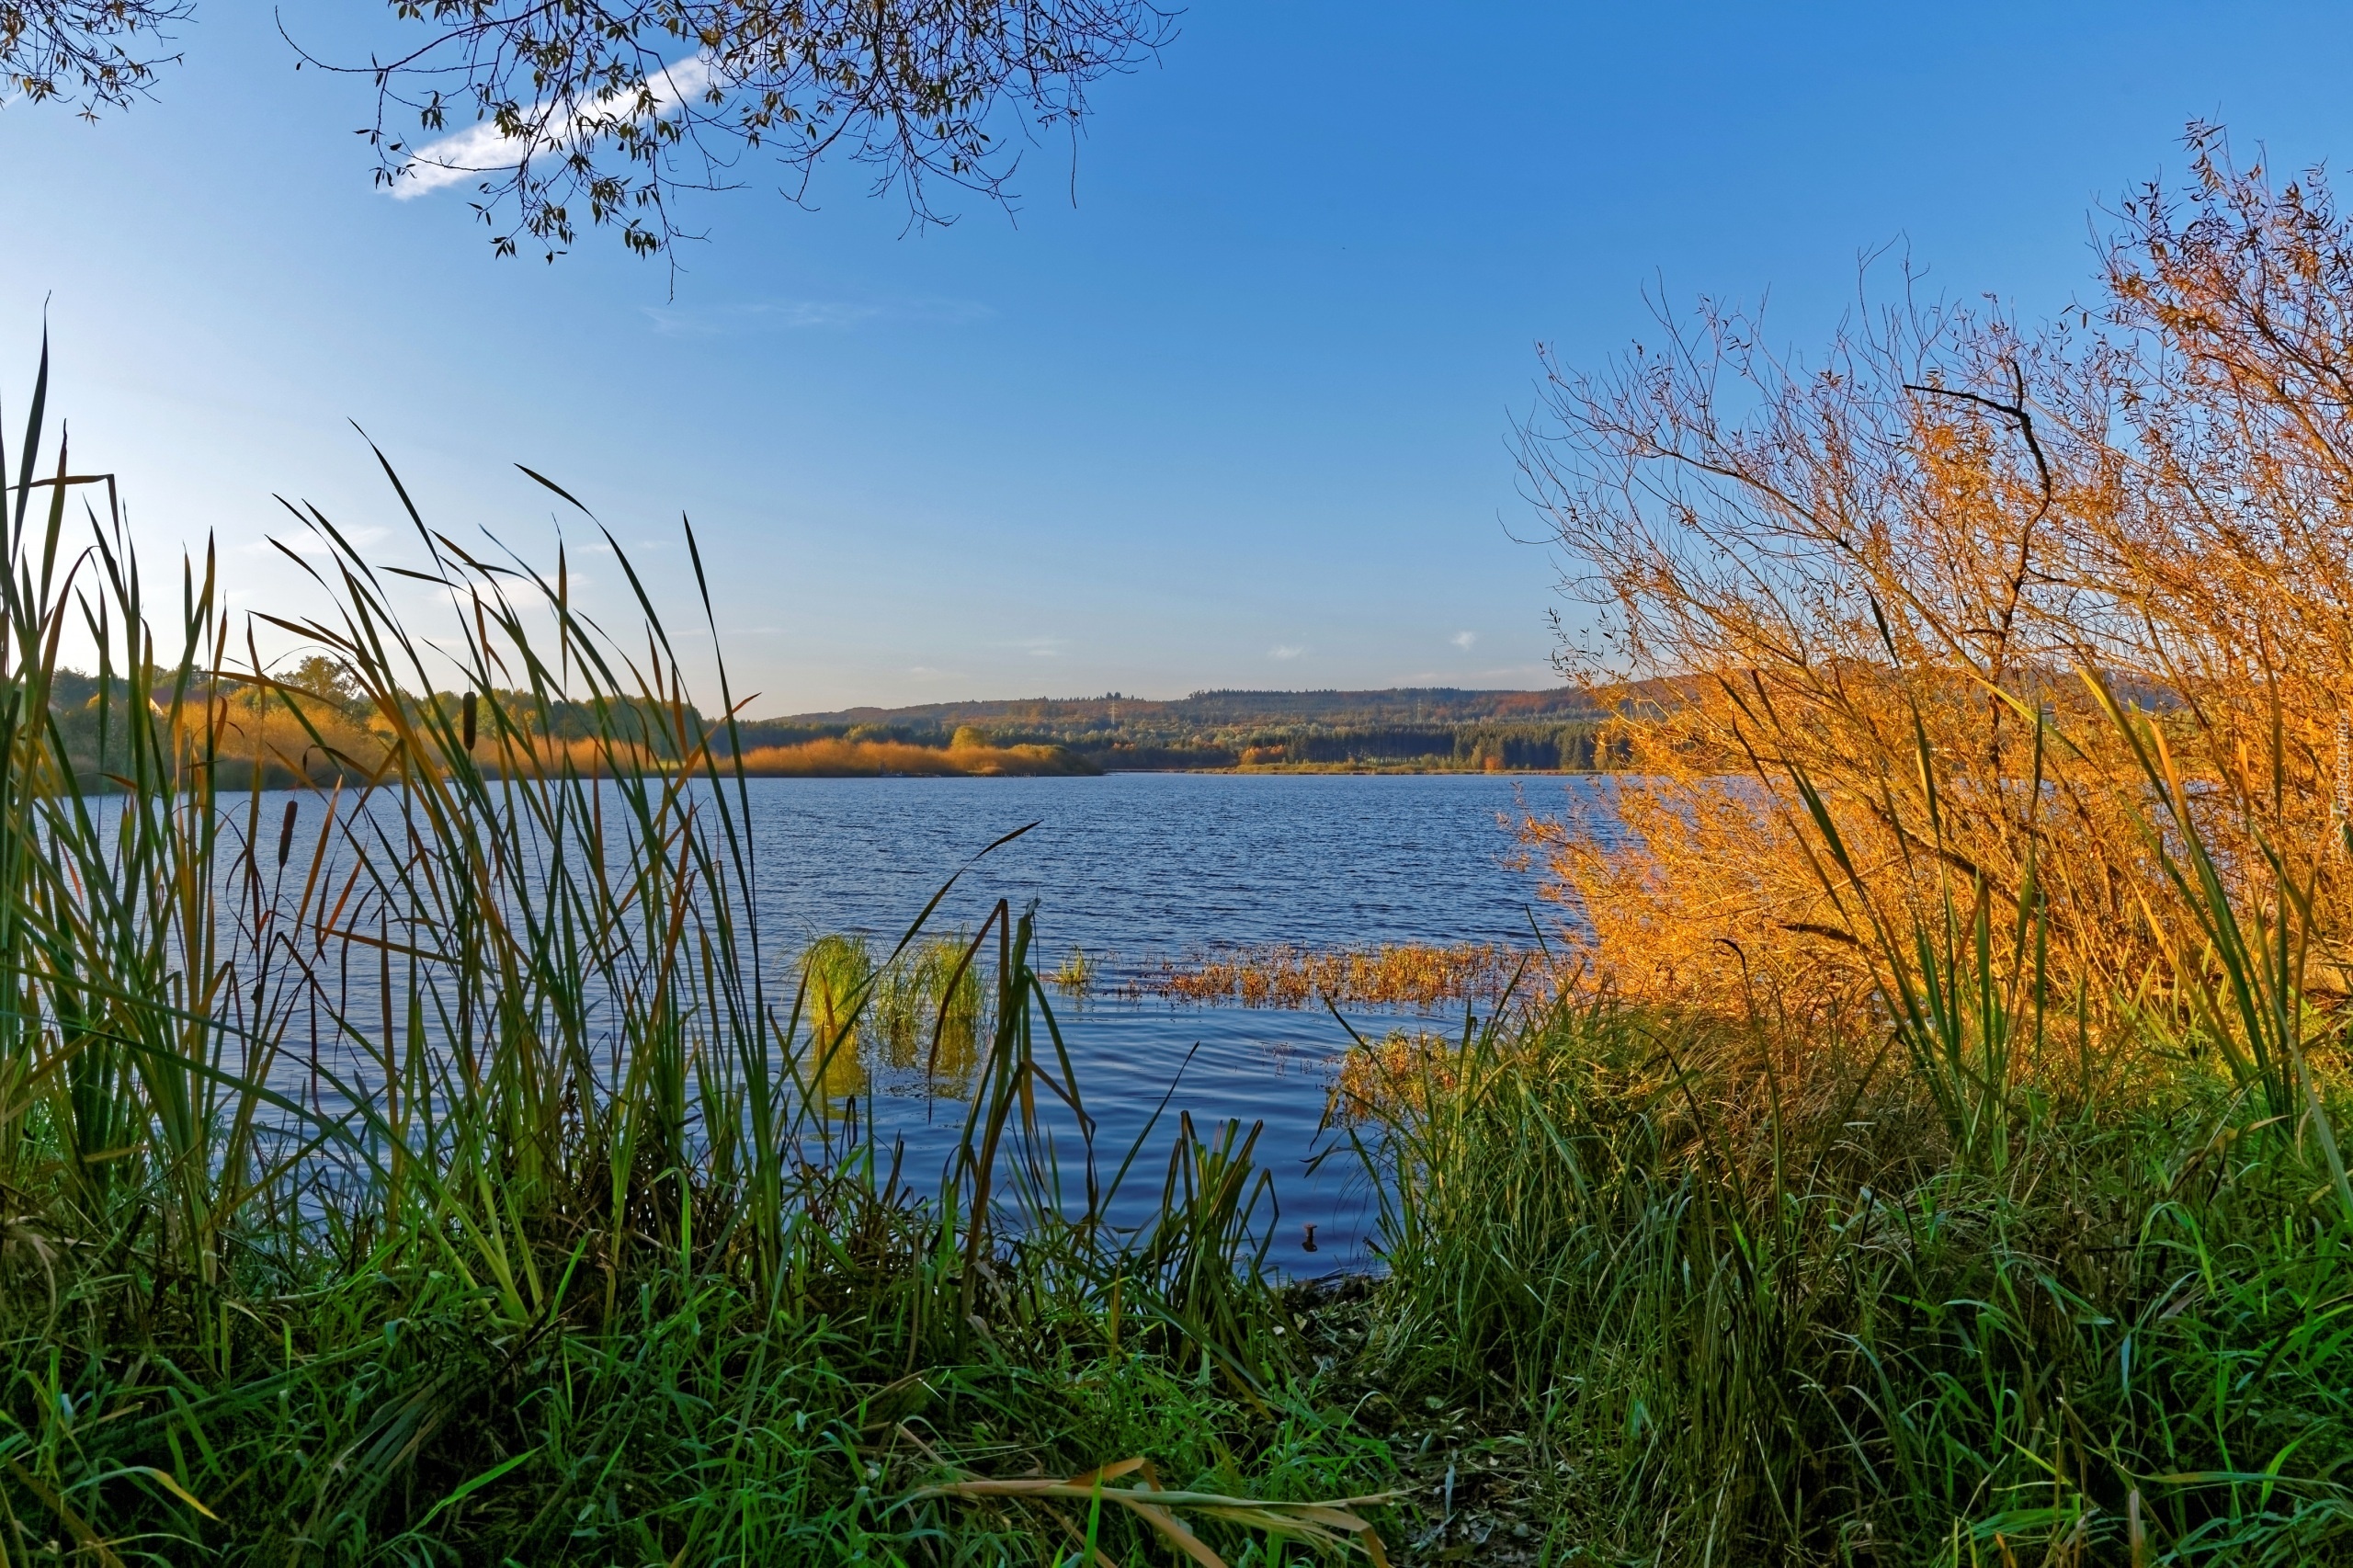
(1134, 868)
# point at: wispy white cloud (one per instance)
(807, 315)
(482, 148)
(1286, 651)
(1464, 640)
(791, 315)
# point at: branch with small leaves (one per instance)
(569, 115)
(98, 53)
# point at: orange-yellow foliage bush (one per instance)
(284, 731)
(1892, 575)
(290, 734)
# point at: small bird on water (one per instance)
(1308, 1245)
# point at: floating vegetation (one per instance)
(1281, 975)
(1076, 976)
(840, 971)
(1398, 1076)
(926, 1010)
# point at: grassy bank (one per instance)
(1666, 1305)
(308, 724)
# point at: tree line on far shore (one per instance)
(1405, 731)
(1408, 728)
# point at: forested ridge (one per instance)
(1403, 727)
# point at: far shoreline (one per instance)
(1304, 772)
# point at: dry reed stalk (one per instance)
(1331, 1525)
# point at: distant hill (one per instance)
(1406, 727)
(1206, 710)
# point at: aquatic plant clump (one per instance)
(930, 1010)
(1077, 975)
(1396, 974)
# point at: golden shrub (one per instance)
(1897, 574)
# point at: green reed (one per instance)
(930, 1010)
(424, 1167)
(1733, 1333)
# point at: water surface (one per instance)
(1133, 868)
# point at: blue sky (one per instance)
(1238, 416)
